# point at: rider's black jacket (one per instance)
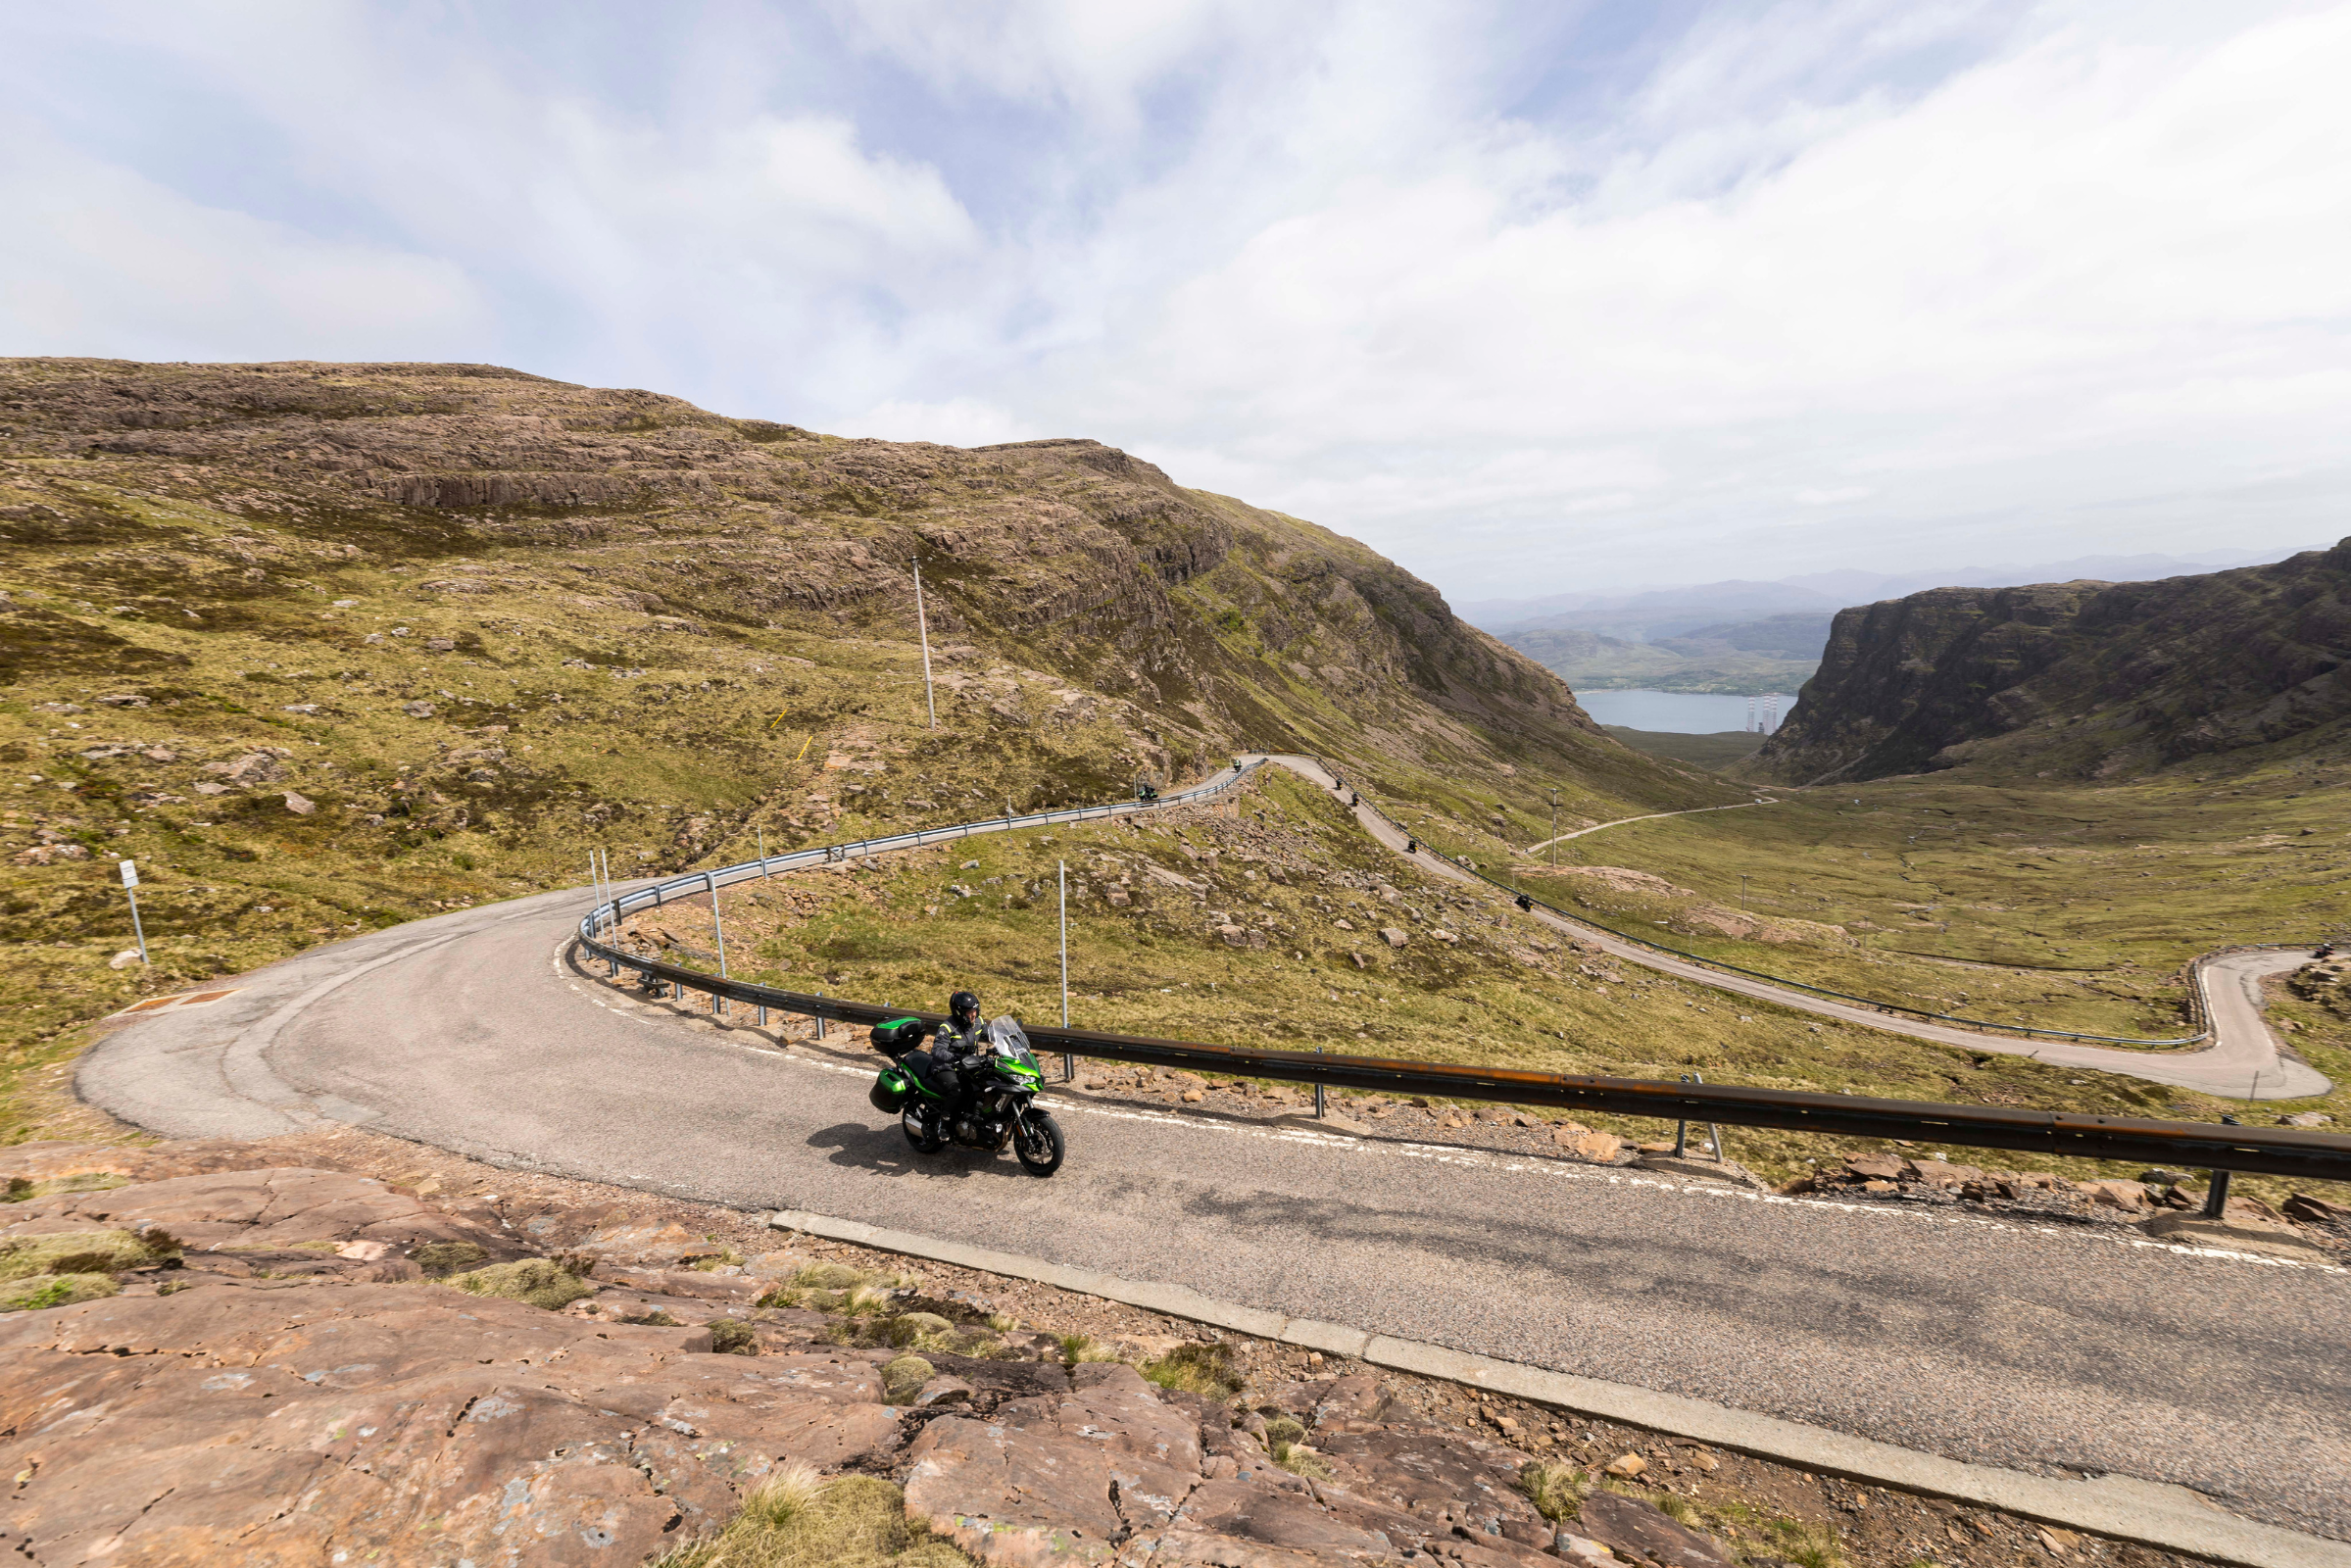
(952, 1046)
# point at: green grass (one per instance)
(83, 1252)
(533, 1281)
(795, 1519)
(2065, 907)
(1205, 1369)
(1713, 751)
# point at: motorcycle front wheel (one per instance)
(919, 1133)
(1037, 1142)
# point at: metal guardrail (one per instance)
(607, 913)
(2269, 1150)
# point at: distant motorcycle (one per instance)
(1002, 1084)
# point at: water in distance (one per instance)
(1675, 712)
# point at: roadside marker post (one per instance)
(1061, 889)
(718, 1002)
(761, 1019)
(130, 891)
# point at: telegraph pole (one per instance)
(923, 629)
(1555, 827)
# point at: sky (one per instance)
(1543, 298)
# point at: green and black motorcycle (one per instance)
(1001, 1085)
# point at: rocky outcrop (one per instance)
(287, 1383)
(284, 1376)
(2081, 679)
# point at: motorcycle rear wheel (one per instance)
(1037, 1142)
(919, 1133)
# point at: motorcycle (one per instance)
(1001, 1082)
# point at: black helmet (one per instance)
(963, 1007)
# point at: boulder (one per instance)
(943, 1390)
(1391, 936)
(1442, 1478)
(2315, 1210)
(1275, 1516)
(1874, 1167)
(2130, 1196)
(644, 1245)
(1599, 1147)
(1633, 1527)
(1016, 1496)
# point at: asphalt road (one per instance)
(2243, 1060)
(1977, 1339)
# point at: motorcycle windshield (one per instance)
(1012, 1043)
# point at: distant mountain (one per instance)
(2081, 679)
(1796, 636)
(1653, 613)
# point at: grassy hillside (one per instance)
(329, 647)
(2061, 906)
(1718, 750)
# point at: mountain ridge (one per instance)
(2077, 679)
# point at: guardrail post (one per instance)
(2217, 1194)
(820, 1022)
(1318, 1091)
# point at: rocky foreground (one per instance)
(222, 1352)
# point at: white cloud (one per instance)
(1831, 281)
(957, 423)
(100, 261)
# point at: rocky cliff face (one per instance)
(2082, 679)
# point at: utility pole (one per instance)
(922, 629)
(1743, 893)
(1555, 827)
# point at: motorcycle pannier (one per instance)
(897, 1037)
(891, 1092)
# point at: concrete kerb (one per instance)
(2119, 1507)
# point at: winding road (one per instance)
(2034, 1346)
(2243, 1061)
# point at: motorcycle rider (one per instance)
(953, 1044)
